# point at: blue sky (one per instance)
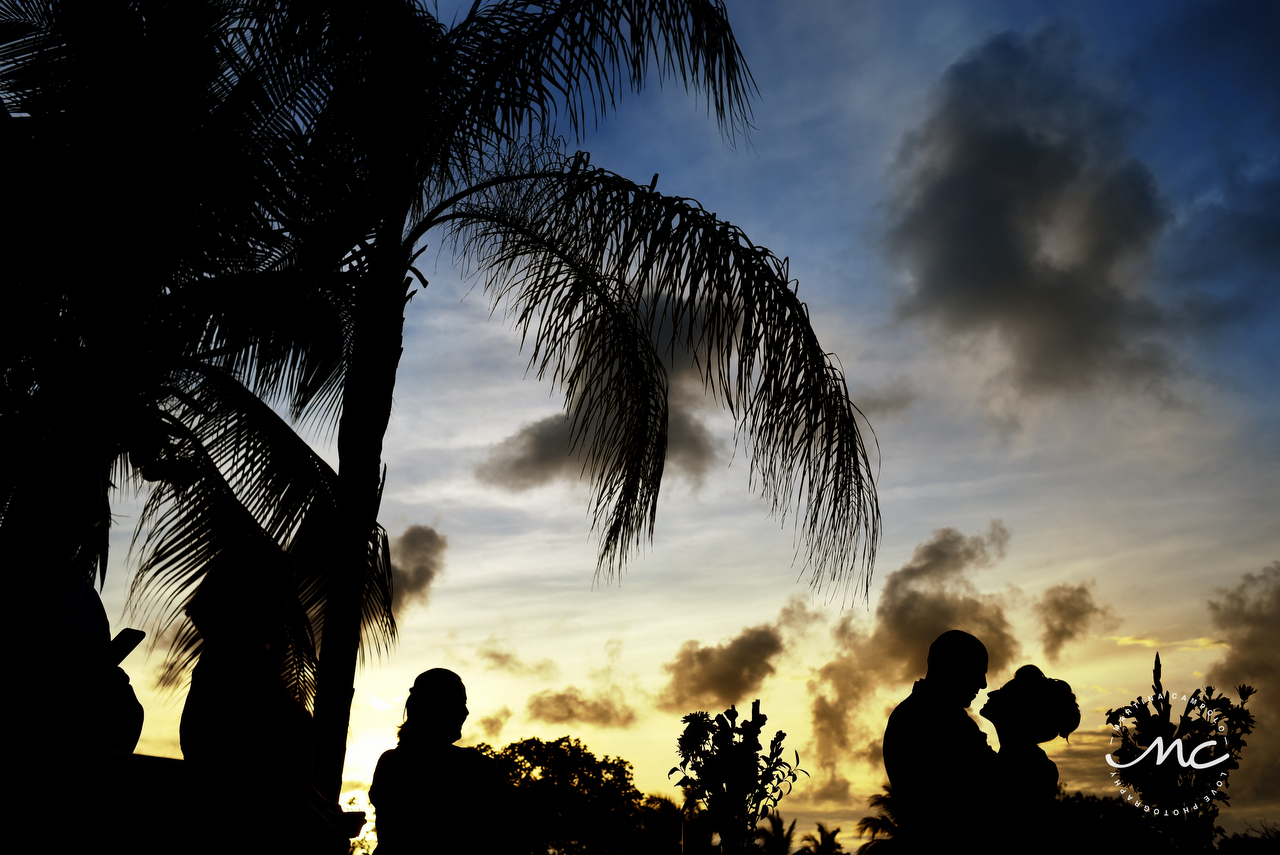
(1043, 241)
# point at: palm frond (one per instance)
(236, 487)
(526, 62)
(588, 263)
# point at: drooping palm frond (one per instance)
(524, 62)
(237, 492)
(587, 264)
(463, 93)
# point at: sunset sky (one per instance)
(1043, 241)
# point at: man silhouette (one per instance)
(935, 754)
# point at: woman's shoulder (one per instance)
(389, 758)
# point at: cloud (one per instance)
(606, 706)
(1078, 761)
(536, 454)
(928, 595)
(888, 400)
(491, 725)
(539, 452)
(1020, 215)
(1249, 616)
(716, 676)
(608, 709)
(417, 560)
(1067, 612)
(498, 657)
(1184, 644)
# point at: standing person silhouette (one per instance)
(1027, 711)
(432, 795)
(936, 756)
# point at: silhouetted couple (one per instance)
(432, 795)
(948, 784)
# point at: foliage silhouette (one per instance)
(332, 138)
(1079, 822)
(1163, 787)
(192, 161)
(883, 826)
(572, 802)
(721, 767)
(778, 838)
(1264, 838)
(823, 843)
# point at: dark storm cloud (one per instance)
(417, 560)
(539, 452)
(1249, 616)
(605, 706)
(1066, 612)
(499, 657)
(492, 725)
(928, 595)
(1020, 214)
(716, 676)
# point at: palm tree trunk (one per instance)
(377, 339)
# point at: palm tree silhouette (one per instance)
(824, 843)
(883, 826)
(176, 416)
(589, 262)
(778, 838)
(343, 134)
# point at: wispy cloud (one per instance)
(497, 656)
(604, 706)
(1173, 644)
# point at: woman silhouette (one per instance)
(1028, 710)
(430, 794)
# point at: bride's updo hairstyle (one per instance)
(1048, 706)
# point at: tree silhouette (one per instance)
(823, 843)
(193, 169)
(340, 135)
(778, 838)
(721, 766)
(589, 262)
(571, 801)
(1186, 786)
(882, 826)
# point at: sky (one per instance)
(1042, 240)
